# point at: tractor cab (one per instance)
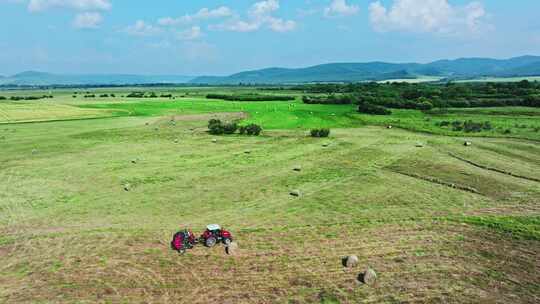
(213, 228)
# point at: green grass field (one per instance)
(438, 221)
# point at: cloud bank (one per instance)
(435, 16)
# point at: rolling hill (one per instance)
(346, 72)
(40, 78)
(463, 68)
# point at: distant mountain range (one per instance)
(464, 68)
(347, 72)
(43, 79)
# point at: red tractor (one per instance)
(183, 240)
(214, 234)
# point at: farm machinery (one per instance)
(214, 234)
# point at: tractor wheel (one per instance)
(227, 241)
(210, 242)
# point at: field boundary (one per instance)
(440, 182)
(492, 169)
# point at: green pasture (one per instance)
(91, 191)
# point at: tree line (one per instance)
(18, 98)
(249, 97)
(424, 97)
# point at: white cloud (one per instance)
(280, 25)
(474, 13)
(340, 8)
(436, 16)
(259, 16)
(190, 34)
(237, 26)
(264, 7)
(140, 28)
(202, 14)
(87, 20)
(81, 5)
(219, 12)
(169, 21)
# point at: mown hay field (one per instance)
(438, 221)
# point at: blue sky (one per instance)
(221, 37)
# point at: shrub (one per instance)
(459, 104)
(135, 95)
(424, 104)
(217, 127)
(469, 126)
(214, 121)
(444, 123)
(320, 132)
(2, 98)
(17, 98)
(330, 99)
(531, 101)
(253, 130)
(368, 108)
(229, 128)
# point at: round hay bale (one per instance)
(389, 127)
(176, 141)
(467, 143)
(146, 123)
(419, 145)
(34, 151)
(127, 187)
(134, 161)
(214, 140)
(247, 152)
(326, 145)
(232, 248)
(368, 277)
(350, 261)
(297, 168)
(296, 193)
